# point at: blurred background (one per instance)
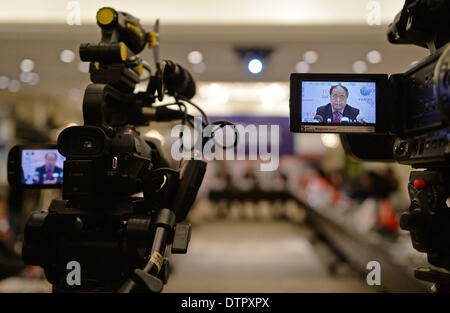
(310, 226)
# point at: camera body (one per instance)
(403, 118)
(122, 204)
(100, 164)
(409, 113)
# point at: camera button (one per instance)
(420, 184)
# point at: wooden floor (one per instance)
(243, 256)
(255, 256)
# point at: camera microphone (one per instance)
(177, 80)
(361, 119)
(318, 118)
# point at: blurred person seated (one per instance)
(372, 184)
(377, 189)
(318, 190)
(10, 263)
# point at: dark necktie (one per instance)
(337, 117)
(49, 174)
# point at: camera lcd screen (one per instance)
(41, 167)
(344, 103)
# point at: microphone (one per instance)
(318, 118)
(345, 119)
(361, 119)
(329, 120)
(178, 80)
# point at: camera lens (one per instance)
(87, 143)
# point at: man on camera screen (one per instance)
(338, 110)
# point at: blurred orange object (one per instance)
(387, 218)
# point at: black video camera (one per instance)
(122, 204)
(406, 116)
(402, 117)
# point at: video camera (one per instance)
(117, 237)
(402, 117)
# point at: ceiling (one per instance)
(337, 31)
(203, 12)
(338, 47)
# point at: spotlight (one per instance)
(255, 66)
(195, 57)
(67, 56)
(359, 66)
(330, 140)
(310, 56)
(254, 58)
(374, 57)
(26, 65)
(302, 67)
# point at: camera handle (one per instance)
(428, 222)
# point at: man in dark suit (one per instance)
(49, 173)
(338, 110)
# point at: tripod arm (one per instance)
(146, 279)
(191, 179)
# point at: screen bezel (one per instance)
(295, 104)
(15, 166)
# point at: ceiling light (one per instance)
(195, 57)
(26, 65)
(330, 140)
(67, 56)
(255, 66)
(359, 67)
(310, 57)
(302, 67)
(374, 57)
